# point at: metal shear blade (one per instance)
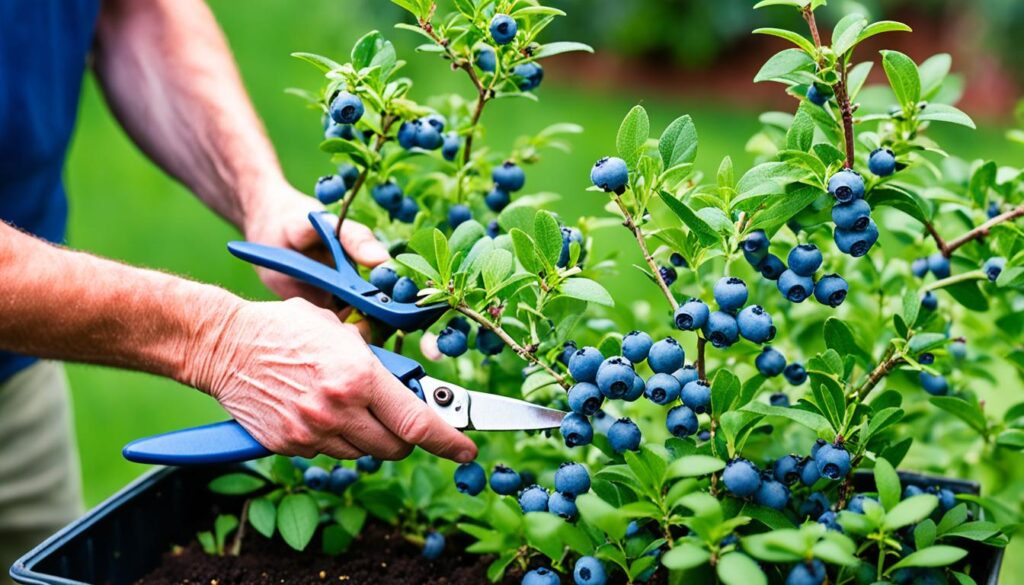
(480, 411)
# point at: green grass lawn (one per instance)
(124, 208)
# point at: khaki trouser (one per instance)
(40, 484)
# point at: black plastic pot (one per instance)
(123, 539)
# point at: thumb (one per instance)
(361, 245)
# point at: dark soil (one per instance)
(380, 556)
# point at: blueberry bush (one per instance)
(827, 315)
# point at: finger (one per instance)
(361, 245)
(411, 420)
(339, 448)
(368, 435)
(287, 288)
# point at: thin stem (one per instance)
(842, 97)
(965, 277)
(639, 235)
(387, 120)
(236, 543)
(982, 230)
(701, 343)
(516, 347)
(878, 374)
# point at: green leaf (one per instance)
(695, 466)
(541, 529)
(526, 250)
(785, 208)
(933, 73)
(497, 267)
(587, 290)
(319, 61)
(236, 484)
(366, 48)
(978, 531)
(903, 77)
(801, 133)
(736, 568)
(782, 64)
(793, 3)
(548, 236)
(418, 264)
(884, 26)
(924, 534)
(898, 198)
(705, 234)
(678, 143)
(811, 420)
(263, 516)
(685, 556)
(968, 294)
(922, 342)
(839, 336)
(887, 483)
(633, 134)
(934, 556)
(223, 525)
(1011, 439)
(335, 540)
(602, 515)
(945, 113)
(796, 39)
(297, 519)
(965, 411)
(552, 49)
(910, 511)
(847, 32)
(982, 179)
(856, 78)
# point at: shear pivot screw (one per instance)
(443, 396)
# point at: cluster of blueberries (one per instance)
(503, 31)
(795, 282)
(939, 266)
(725, 326)
(571, 480)
(855, 233)
(428, 133)
(770, 363)
(453, 340)
(770, 487)
(401, 289)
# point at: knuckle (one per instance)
(414, 428)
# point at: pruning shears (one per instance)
(228, 442)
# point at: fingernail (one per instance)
(465, 457)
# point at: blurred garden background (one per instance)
(674, 56)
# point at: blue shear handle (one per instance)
(228, 442)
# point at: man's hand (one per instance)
(280, 219)
(303, 383)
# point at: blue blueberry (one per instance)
(488, 342)
(795, 374)
(779, 399)
(330, 188)
(666, 356)
(805, 259)
(741, 478)
(911, 491)
(770, 362)
(615, 377)
(809, 474)
(685, 375)
(341, 478)
(771, 267)
(721, 329)
(677, 260)
(817, 96)
(833, 461)
(368, 464)
(509, 177)
(794, 287)
(939, 265)
(569, 235)
(993, 210)
(681, 421)
(994, 267)
(572, 479)
(487, 59)
(452, 342)
(831, 290)
(857, 243)
(407, 210)
(451, 146)
(349, 174)
(497, 199)
(934, 385)
(384, 278)
(624, 435)
(882, 162)
(772, 494)
(704, 435)
(958, 349)
(815, 505)
(433, 545)
(662, 389)
(568, 348)
(846, 185)
(529, 76)
(405, 290)
(929, 301)
(563, 505)
(697, 396)
(340, 131)
(493, 229)
(541, 576)
(830, 520)
(470, 478)
(316, 478)
(636, 390)
(947, 499)
(755, 324)
(346, 108)
(919, 267)
(503, 29)
(855, 215)
(787, 469)
(460, 324)
(505, 481)
(533, 499)
(585, 398)
(807, 573)
(636, 345)
(437, 121)
(856, 503)
(576, 430)
(407, 133)
(428, 137)
(730, 293)
(926, 359)
(756, 246)
(692, 315)
(818, 444)
(458, 214)
(632, 529)
(388, 195)
(668, 274)
(610, 174)
(583, 364)
(589, 571)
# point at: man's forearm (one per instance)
(60, 304)
(169, 77)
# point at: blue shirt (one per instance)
(44, 45)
